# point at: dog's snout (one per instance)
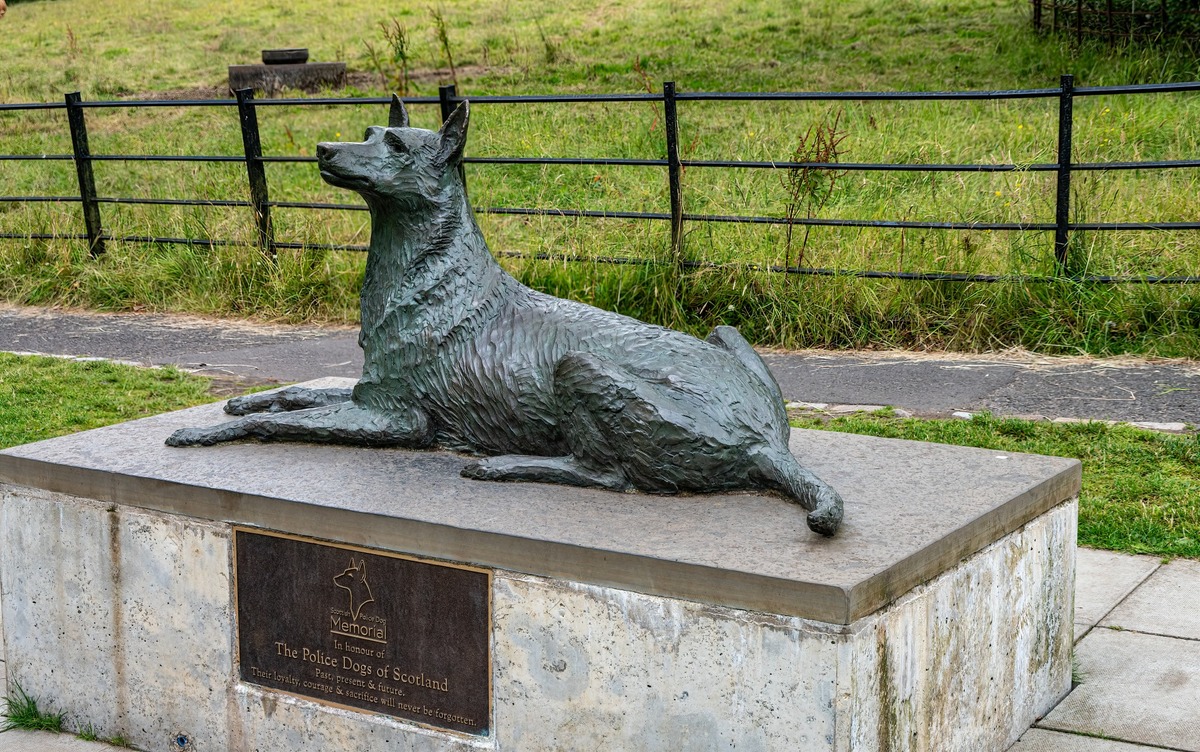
(323, 151)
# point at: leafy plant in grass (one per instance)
(393, 73)
(443, 39)
(1141, 489)
(809, 187)
(21, 711)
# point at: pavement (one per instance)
(1137, 618)
(1137, 659)
(1162, 394)
(45, 741)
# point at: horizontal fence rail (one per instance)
(260, 204)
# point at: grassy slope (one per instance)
(109, 49)
(527, 44)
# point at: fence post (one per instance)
(1062, 209)
(256, 171)
(1037, 15)
(446, 95)
(674, 171)
(83, 168)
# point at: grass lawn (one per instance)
(110, 49)
(1141, 489)
(45, 397)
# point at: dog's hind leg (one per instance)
(342, 423)
(586, 387)
(287, 400)
(777, 468)
(566, 470)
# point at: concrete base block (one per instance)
(965, 662)
(117, 616)
(609, 628)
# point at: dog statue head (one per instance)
(411, 166)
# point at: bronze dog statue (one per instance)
(461, 355)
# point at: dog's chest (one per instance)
(483, 385)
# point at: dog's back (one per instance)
(491, 385)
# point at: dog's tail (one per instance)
(779, 470)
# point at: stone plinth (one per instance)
(939, 618)
(272, 79)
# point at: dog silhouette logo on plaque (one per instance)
(460, 355)
(354, 581)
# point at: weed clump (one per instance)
(21, 711)
(807, 185)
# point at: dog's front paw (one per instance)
(191, 437)
(268, 402)
(250, 403)
(480, 470)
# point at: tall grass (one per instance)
(749, 45)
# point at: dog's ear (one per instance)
(454, 134)
(397, 115)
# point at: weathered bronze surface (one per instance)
(459, 354)
(365, 630)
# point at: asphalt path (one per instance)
(1012, 384)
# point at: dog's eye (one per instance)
(394, 142)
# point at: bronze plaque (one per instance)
(365, 629)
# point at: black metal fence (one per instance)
(261, 205)
(1119, 20)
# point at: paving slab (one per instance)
(1167, 603)
(1138, 688)
(1041, 740)
(1102, 580)
(44, 741)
